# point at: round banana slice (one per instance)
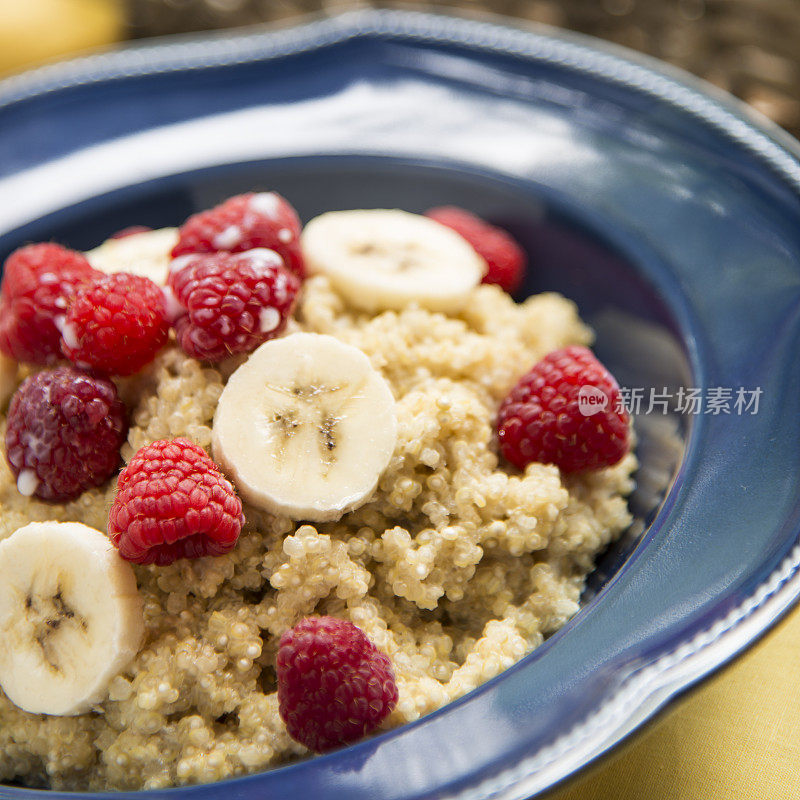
(147, 254)
(70, 617)
(385, 259)
(305, 427)
(8, 379)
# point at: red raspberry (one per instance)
(245, 222)
(116, 324)
(334, 685)
(566, 411)
(65, 429)
(229, 303)
(172, 502)
(38, 282)
(131, 230)
(505, 258)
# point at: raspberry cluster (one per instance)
(236, 274)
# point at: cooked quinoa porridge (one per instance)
(456, 566)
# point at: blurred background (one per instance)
(748, 47)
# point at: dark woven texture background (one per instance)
(748, 47)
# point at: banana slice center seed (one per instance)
(398, 257)
(308, 408)
(48, 616)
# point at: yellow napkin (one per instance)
(736, 737)
(36, 31)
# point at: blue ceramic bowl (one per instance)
(666, 212)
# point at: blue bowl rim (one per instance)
(648, 688)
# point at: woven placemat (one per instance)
(750, 48)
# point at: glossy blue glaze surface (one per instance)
(672, 221)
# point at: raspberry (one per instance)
(566, 411)
(245, 222)
(116, 324)
(38, 282)
(334, 685)
(65, 429)
(231, 303)
(505, 258)
(172, 502)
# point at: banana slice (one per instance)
(70, 617)
(385, 259)
(305, 427)
(147, 254)
(8, 379)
